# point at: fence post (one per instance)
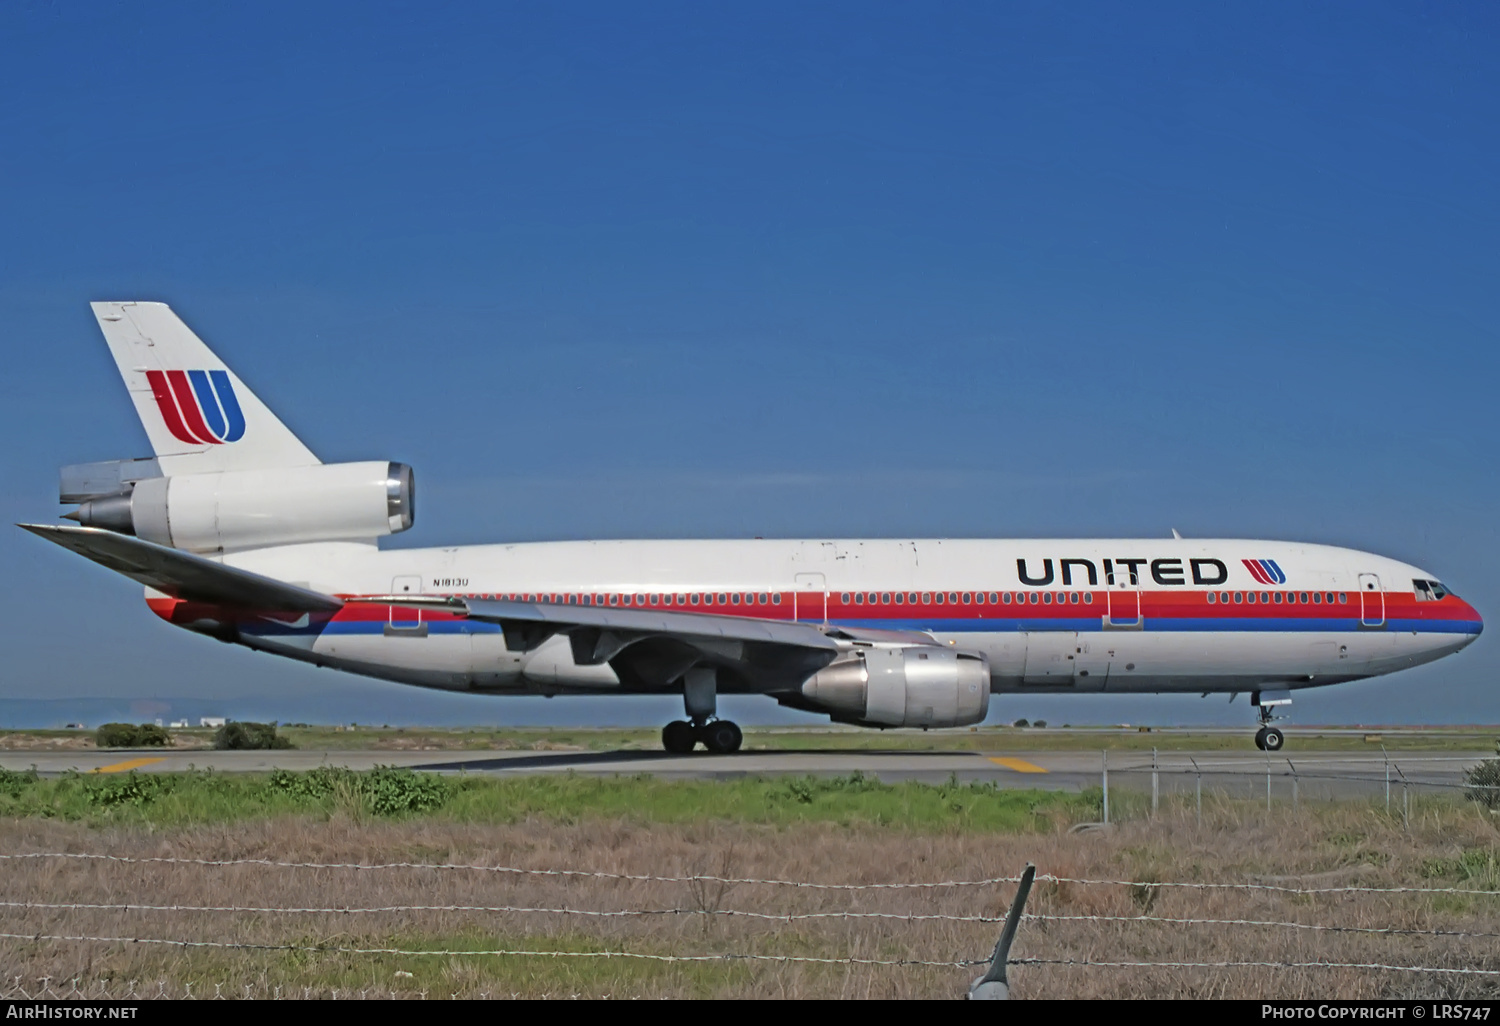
(1154, 789)
(993, 986)
(1294, 785)
(1405, 800)
(1198, 788)
(1105, 753)
(1387, 757)
(1268, 781)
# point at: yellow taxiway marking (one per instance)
(128, 764)
(1019, 765)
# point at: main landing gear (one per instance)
(720, 737)
(1269, 738)
(700, 699)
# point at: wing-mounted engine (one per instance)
(242, 509)
(899, 686)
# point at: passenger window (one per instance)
(1265, 596)
(939, 598)
(1343, 597)
(1317, 598)
(1073, 598)
(996, 598)
(614, 600)
(1212, 598)
(734, 598)
(1005, 598)
(1302, 598)
(1033, 597)
(1239, 597)
(967, 598)
(926, 597)
(1088, 598)
(1047, 598)
(912, 598)
(885, 598)
(845, 598)
(900, 598)
(1328, 597)
(859, 598)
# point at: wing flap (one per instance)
(181, 574)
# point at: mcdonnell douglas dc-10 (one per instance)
(239, 532)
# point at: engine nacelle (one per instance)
(242, 509)
(912, 686)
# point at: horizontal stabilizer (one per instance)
(183, 575)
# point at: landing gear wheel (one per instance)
(1269, 739)
(679, 737)
(721, 737)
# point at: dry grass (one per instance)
(1324, 845)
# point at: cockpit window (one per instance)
(1429, 591)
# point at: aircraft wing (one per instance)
(653, 648)
(181, 574)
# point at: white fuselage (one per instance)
(1050, 615)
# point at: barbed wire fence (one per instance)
(1480, 960)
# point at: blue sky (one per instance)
(655, 270)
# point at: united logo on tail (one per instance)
(200, 407)
(1265, 571)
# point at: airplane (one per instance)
(240, 533)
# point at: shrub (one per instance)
(13, 782)
(131, 789)
(1040, 723)
(384, 791)
(131, 735)
(1021, 723)
(1484, 781)
(246, 736)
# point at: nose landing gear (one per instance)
(699, 699)
(1269, 738)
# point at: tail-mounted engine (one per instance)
(242, 509)
(911, 686)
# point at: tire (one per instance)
(1274, 740)
(679, 737)
(722, 737)
(1260, 738)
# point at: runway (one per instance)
(1317, 774)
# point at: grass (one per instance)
(989, 738)
(1325, 844)
(179, 799)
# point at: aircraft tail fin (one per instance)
(199, 415)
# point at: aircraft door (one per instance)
(404, 620)
(1051, 657)
(810, 598)
(1371, 601)
(1124, 599)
